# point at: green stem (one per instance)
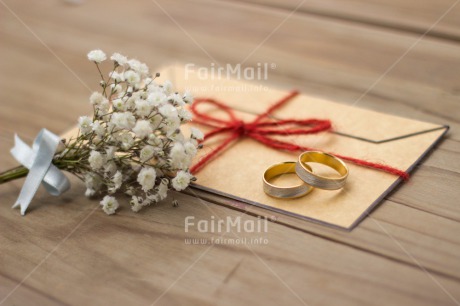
(21, 171)
(13, 174)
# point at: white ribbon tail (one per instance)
(38, 160)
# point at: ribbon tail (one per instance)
(22, 152)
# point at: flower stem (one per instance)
(13, 174)
(21, 171)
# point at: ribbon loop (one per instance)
(38, 160)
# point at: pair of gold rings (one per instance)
(305, 173)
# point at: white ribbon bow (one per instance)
(38, 160)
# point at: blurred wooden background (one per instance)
(399, 57)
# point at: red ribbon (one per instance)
(260, 130)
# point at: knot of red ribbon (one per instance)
(262, 128)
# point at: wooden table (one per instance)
(398, 57)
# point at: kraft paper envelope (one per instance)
(237, 172)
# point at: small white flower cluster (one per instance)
(134, 143)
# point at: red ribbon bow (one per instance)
(260, 130)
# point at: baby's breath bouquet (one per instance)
(133, 143)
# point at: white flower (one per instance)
(176, 99)
(167, 87)
(132, 77)
(109, 205)
(126, 139)
(142, 128)
(154, 140)
(143, 108)
(96, 98)
(196, 133)
(156, 121)
(96, 160)
(89, 181)
(120, 59)
(188, 97)
(170, 125)
(163, 189)
(138, 67)
(110, 167)
(143, 70)
(136, 203)
(134, 64)
(110, 152)
(146, 178)
(117, 179)
(184, 115)
(104, 108)
(154, 87)
(93, 183)
(97, 56)
(157, 98)
(116, 88)
(119, 104)
(84, 123)
(143, 94)
(181, 181)
(168, 111)
(179, 159)
(190, 149)
(130, 103)
(125, 120)
(98, 128)
(90, 192)
(177, 137)
(117, 76)
(146, 153)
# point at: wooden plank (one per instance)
(412, 16)
(393, 230)
(130, 258)
(444, 155)
(433, 190)
(25, 295)
(327, 53)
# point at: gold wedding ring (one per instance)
(284, 192)
(306, 174)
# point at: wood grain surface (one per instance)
(396, 57)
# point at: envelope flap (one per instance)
(356, 122)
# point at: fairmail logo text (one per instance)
(227, 225)
(218, 72)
